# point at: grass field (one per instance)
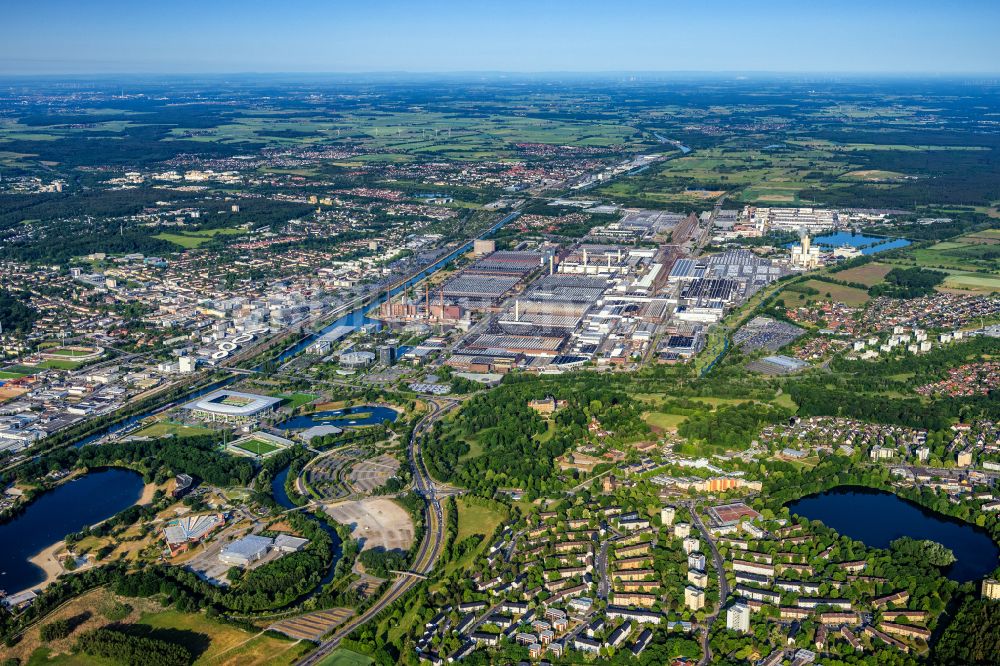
(257, 447)
(163, 428)
(785, 400)
(550, 431)
(226, 644)
(345, 657)
(21, 370)
(211, 643)
(70, 353)
(296, 399)
(664, 421)
(972, 261)
(868, 274)
(58, 364)
(474, 519)
(4, 374)
(195, 239)
(849, 296)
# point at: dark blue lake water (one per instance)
(876, 518)
(69, 508)
(342, 418)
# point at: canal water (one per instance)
(68, 508)
(876, 518)
(355, 319)
(340, 418)
(359, 317)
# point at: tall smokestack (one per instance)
(517, 310)
(552, 264)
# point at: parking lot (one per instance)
(373, 473)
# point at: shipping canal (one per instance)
(68, 508)
(876, 518)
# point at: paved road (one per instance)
(430, 548)
(604, 584)
(723, 583)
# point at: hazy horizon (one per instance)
(63, 38)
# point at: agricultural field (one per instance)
(850, 296)
(972, 261)
(398, 135)
(776, 176)
(869, 274)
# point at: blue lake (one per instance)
(867, 244)
(342, 418)
(68, 508)
(876, 518)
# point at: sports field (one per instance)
(257, 447)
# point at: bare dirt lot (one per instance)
(376, 522)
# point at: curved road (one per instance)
(430, 548)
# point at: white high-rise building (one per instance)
(738, 618)
(667, 515)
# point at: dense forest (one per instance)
(972, 637)
(518, 447)
(908, 283)
(199, 456)
(731, 427)
(122, 647)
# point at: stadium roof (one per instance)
(233, 403)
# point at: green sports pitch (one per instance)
(258, 447)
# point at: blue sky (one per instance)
(182, 36)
